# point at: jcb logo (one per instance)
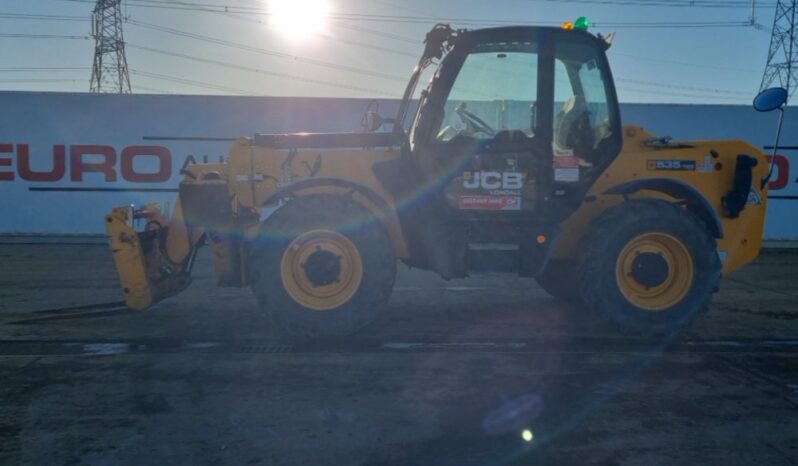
(493, 180)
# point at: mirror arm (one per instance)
(772, 164)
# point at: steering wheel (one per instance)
(474, 123)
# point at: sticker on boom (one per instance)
(672, 165)
(490, 203)
(753, 197)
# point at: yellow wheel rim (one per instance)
(655, 271)
(321, 270)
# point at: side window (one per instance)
(581, 104)
(495, 90)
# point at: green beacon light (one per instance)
(582, 23)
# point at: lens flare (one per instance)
(527, 435)
(299, 19)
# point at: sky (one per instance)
(367, 48)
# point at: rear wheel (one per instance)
(322, 266)
(650, 266)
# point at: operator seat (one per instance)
(572, 131)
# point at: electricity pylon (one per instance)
(109, 73)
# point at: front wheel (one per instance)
(557, 280)
(649, 266)
(322, 266)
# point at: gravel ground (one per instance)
(485, 371)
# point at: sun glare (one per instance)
(299, 19)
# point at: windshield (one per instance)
(496, 89)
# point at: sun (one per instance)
(299, 19)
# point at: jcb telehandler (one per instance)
(515, 161)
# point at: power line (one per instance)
(379, 48)
(340, 25)
(681, 63)
(416, 41)
(674, 24)
(633, 81)
(190, 82)
(153, 89)
(23, 16)
(40, 80)
(221, 8)
(42, 69)
(359, 70)
(665, 3)
(401, 38)
(379, 33)
(263, 51)
(257, 70)
(356, 88)
(653, 3)
(678, 94)
(42, 36)
(709, 90)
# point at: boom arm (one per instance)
(438, 42)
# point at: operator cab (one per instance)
(512, 130)
(517, 120)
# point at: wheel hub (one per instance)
(654, 271)
(322, 267)
(650, 269)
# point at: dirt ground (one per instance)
(485, 371)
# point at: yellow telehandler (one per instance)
(515, 161)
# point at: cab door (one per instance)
(586, 127)
(481, 139)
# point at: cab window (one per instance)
(495, 90)
(584, 119)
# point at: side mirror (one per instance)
(770, 99)
(767, 101)
(372, 121)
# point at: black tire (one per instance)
(557, 279)
(605, 243)
(310, 213)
